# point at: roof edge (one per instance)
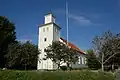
(50, 23)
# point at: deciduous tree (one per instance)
(7, 36)
(59, 52)
(108, 47)
(22, 56)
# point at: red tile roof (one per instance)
(72, 46)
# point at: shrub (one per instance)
(63, 68)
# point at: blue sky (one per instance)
(87, 18)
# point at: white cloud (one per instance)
(80, 19)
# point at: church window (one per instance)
(45, 39)
(80, 60)
(47, 28)
(43, 29)
(44, 58)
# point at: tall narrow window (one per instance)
(45, 39)
(43, 29)
(79, 60)
(47, 28)
(82, 60)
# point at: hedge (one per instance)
(56, 75)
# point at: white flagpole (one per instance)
(67, 20)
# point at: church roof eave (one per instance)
(50, 23)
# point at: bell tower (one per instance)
(48, 32)
(49, 18)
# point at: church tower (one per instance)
(48, 32)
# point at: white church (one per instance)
(49, 32)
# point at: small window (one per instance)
(45, 39)
(43, 29)
(47, 28)
(44, 59)
(80, 60)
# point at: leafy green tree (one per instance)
(14, 55)
(92, 61)
(29, 55)
(59, 52)
(22, 56)
(7, 36)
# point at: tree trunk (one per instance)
(102, 67)
(112, 67)
(102, 64)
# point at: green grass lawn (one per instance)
(57, 75)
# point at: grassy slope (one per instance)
(70, 75)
